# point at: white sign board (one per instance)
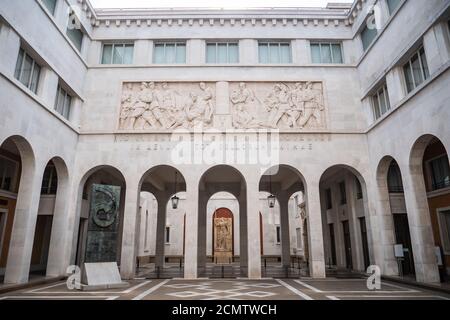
(398, 251)
(437, 252)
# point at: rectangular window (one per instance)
(416, 70)
(118, 53)
(50, 5)
(169, 53)
(393, 5)
(74, 31)
(359, 192)
(278, 231)
(343, 193)
(368, 35)
(298, 233)
(274, 52)
(8, 171)
(27, 71)
(326, 52)
(63, 102)
(328, 199)
(167, 235)
(50, 180)
(222, 52)
(440, 173)
(380, 102)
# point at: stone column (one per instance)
(283, 200)
(420, 225)
(191, 241)
(314, 218)
(202, 223)
(130, 227)
(253, 231)
(355, 231)
(24, 226)
(56, 264)
(161, 199)
(243, 247)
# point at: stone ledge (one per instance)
(85, 287)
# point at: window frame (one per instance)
(342, 193)
(53, 177)
(165, 43)
(66, 95)
(216, 43)
(278, 238)
(376, 97)
(330, 44)
(81, 29)
(431, 177)
(365, 49)
(393, 10)
(409, 65)
(113, 45)
(279, 43)
(48, 9)
(14, 178)
(167, 235)
(34, 63)
(328, 199)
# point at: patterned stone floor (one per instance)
(270, 289)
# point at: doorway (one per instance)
(347, 245)
(365, 243)
(403, 237)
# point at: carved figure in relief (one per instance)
(222, 234)
(298, 105)
(241, 99)
(278, 103)
(313, 105)
(127, 101)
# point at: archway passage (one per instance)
(282, 190)
(345, 223)
(161, 232)
(101, 216)
(214, 184)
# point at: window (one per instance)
(274, 52)
(8, 171)
(63, 102)
(342, 192)
(50, 180)
(380, 102)
(416, 70)
(359, 193)
(169, 52)
(74, 32)
(368, 36)
(167, 235)
(117, 53)
(50, 5)
(278, 234)
(328, 199)
(298, 233)
(27, 71)
(326, 53)
(440, 172)
(444, 226)
(394, 179)
(222, 52)
(393, 5)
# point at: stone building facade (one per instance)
(109, 117)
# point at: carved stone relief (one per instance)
(152, 105)
(279, 105)
(274, 105)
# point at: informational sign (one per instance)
(437, 252)
(102, 235)
(398, 251)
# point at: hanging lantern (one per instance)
(175, 200)
(271, 200)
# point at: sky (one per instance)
(210, 3)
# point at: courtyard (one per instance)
(234, 289)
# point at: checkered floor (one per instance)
(270, 289)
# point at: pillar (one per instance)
(202, 223)
(253, 230)
(243, 247)
(283, 200)
(161, 198)
(191, 241)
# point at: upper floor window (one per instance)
(380, 102)
(368, 35)
(169, 52)
(278, 234)
(50, 180)
(416, 70)
(328, 199)
(27, 71)
(50, 5)
(222, 52)
(117, 53)
(394, 178)
(440, 172)
(343, 193)
(274, 52)
(74, 31)
(359, 192)
(326, 53)
(167, 235)
(8, 172)
(63, 102)
(393, 5)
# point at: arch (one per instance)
(26, 151)
(166, 169)
(225, 167)
(277, 170)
